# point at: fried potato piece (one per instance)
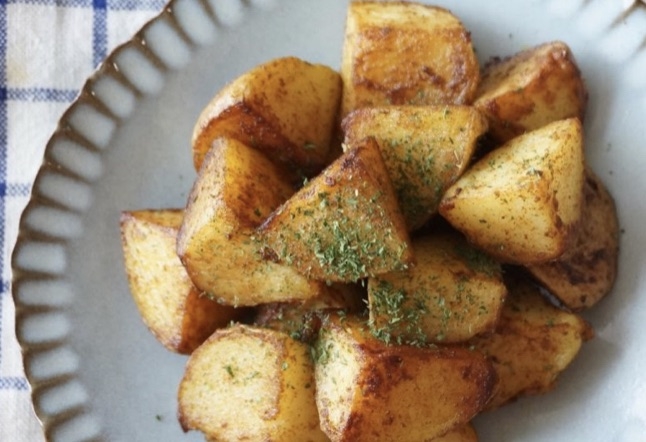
(522, 202)
(344, 225)
(287, 108)
(531, 89)
(586, 272)
(250, 384)
(302, 320)
(463, 433)
(406, 53)
(367, 390)
(236, 189)
(421, 163)
(176, 312)
(533, 344)
(453, 293)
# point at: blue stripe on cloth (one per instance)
(113, 5)
(99, 32)
(14, 189)
(13, 383)
(4, 124)
(41, 94)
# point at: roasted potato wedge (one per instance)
(250, 384)
(367, 390)
(586, 272)
(464, 433)
(173, 309)
(522, 202)
(531, 89)
(453, 293)
(286, 108)
(421, 163)
(344, 225)
(236, 189)
(406, 53)
(533, 344)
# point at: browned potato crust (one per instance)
(531, 89)
(250, 384)
(522, 202)
(176, 312)
(367, 390)
(236, 189)
(344, 225)
(286, 108)
(421, 163)
(453, 293)
(533, 344)
(464, 433)
(586, 272)
(406, 53)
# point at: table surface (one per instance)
(48, 48)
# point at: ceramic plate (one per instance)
(98, 373)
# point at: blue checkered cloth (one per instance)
(47, 50)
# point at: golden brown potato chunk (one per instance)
(406, 53)
(250, 384)
(522, 202)
(533, 344)
(237, 188)
(176, 312)
(367, 390)
(421, 163)
(344, 225)
(463, 433)
(531, 89)
(286, 108)
(586, 272)
(453, 293)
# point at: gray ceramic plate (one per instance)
(95, 369)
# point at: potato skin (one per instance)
(421, 163)
(369, 391)
(246, 383)
(531, 89)
(533, 343)
(179, 315)
(521, 203)
(286, 108)
(586, 272)
(406, 53)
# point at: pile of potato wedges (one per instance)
(384, 252)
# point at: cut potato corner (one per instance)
(236, 189)
(531, 89)
(287, 108)
(367, 390)
(173, 309)
(252, 384)
(464, 433)
(522, 202)
(534, 342)
(421, 163)
(344, 225)
(586, 272)
(406, 53)
(453, 293)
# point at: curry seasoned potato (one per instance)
(236, 189)
(531, 89)
(344, 225)
(177, 313)
(522, 202)
(586, 272)
(464, 433)
(286, 108)
(453, 293)
(421, 163)
(367, 390)
(252, 384)
(406, 53)
(533, 343)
